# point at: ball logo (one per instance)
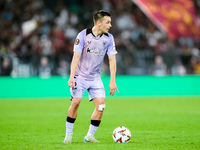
(77, 41)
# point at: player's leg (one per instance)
(76, 93)
(71, 117)
(99, 107)
(97, 114)
(97, 94)
(95, 119)
(73, 109)
(72, 114)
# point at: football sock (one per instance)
(69, 125)
(93, 127)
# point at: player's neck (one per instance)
(96, 31)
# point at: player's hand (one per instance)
(113, 88)
(71, 82)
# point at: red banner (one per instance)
(177, 18)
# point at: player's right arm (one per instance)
(78, 47)
(74, 65)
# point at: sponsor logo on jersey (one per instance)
(94, 52)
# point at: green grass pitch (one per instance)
(155, 123)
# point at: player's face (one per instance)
(105, 24)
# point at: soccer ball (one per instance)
(121, 135)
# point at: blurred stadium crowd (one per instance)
(37, 38)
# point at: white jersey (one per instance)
(92, 49)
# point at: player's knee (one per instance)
(75, 104)
(101, 107)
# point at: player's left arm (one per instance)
(113, 68)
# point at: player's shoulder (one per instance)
(83, 32)
(109, 35)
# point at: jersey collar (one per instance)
(89, 30)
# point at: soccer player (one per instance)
(90, 47)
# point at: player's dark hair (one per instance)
(99, 15)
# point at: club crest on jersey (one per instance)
(94, 52)
(77, 42)
(104, 43)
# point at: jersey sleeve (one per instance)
(111, 47)
(79, 42)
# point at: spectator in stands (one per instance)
(44, 69)
(158, 68)
(6, 67)
(178, 68)
(63, 68)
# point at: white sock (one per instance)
(69, 127)
(92, 129)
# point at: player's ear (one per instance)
(98, 22)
